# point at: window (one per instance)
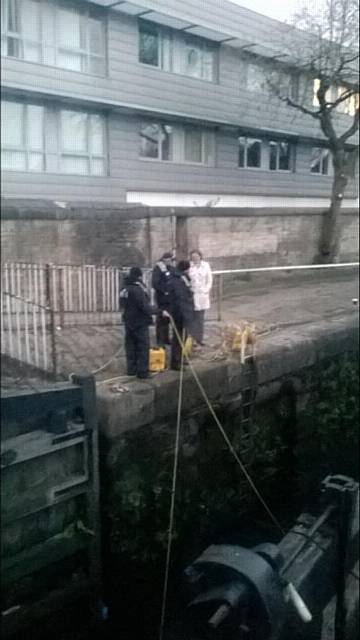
(176, 143)
(75, 139)
(329, 96)
(319, 162)
(22, 137)
(349, 105)
(249, 153)
(170, 51)
(279, 156)
(155, 46)
(82, 143)
(156, 141)
(351, 163)
(195, 58)
(284, 83)
(256, 79)
(58, 34)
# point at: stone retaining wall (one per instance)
(42, 231)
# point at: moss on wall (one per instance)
(306, 432)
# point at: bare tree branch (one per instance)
(296, 105)
(344, 96)
(324, 47)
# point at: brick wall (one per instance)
(125, 235)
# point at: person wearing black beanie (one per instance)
(161, 277)
(181, 309)
(137, 317)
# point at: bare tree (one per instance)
(324, 48)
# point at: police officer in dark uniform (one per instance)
(181, 309)
(137, 317)
(161, 277)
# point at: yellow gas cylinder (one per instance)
(157, 359)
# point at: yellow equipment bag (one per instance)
(157, 359)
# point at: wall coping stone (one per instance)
(279, 356)
(19, 209)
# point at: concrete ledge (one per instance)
(39, 209)
(280, 355)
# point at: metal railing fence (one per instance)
(89, 294)
(28, 332)
(78, 294)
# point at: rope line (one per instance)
(225, 436)
(173, 497)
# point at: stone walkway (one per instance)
(272, 304)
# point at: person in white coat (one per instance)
(201, 281)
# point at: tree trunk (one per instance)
(330, 230)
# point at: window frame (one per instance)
(321, 173)
(178, 43)
(52, 128)
(159, 157)
(261, 142)
(155, 29)
(179, 158)
(73, 154)
(352, 159)
(25, 147)
(87, 13)
(265, 89)
(291, 156)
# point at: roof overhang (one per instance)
(143, 10)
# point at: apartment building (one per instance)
(164, 102)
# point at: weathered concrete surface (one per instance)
(126, 405)
(287, 302)
(124, 234)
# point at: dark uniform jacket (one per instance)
(161, 277)
(181, 299)
(135, 304)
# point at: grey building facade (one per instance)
(164, 102)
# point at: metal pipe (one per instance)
(310, 534)
(301, 267)
(219, 616)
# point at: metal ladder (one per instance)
(249, 391)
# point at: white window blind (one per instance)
(54, 33)
(75, 140)
(193, 146)
(82, 143)
(22, 136)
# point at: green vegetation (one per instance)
(296, 440)
(328, 427)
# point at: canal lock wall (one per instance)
(304, 427)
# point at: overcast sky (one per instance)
(279, 9)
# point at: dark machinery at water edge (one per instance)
(279, 592)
